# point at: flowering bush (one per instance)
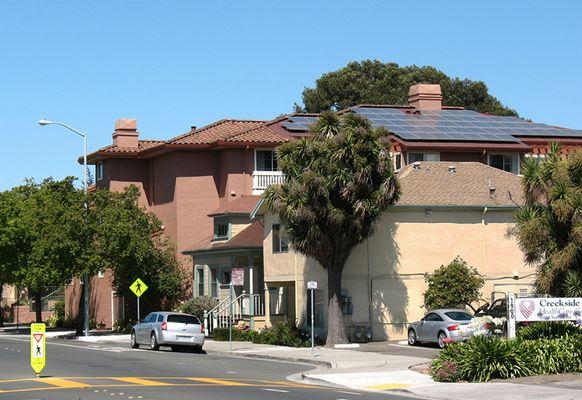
(487, 326)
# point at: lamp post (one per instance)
(44, 122)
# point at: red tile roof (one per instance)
(248, 239)
(226, 132)
(240, 205)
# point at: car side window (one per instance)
(147, 318)
(160, 318)
(432, 317)
(153, 318)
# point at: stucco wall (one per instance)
(384, 275)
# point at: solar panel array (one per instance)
(446, 125)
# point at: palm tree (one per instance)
(549, 227)
(337, 185)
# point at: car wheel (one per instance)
(441, 339)
(412, 341)
(154, 342)
(134, 344)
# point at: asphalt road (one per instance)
(85, 371)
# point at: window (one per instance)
(221, 229)
(280, 240)
(101, 274)
(505, 162)
(265, 160)
(99, 171)
(414, 157)
(214, 282)
(432, 317)
(459, 316)
(160, 318)
(397, 159)
(226, 277)
(200, 281)
(183, 319)
(150, 318)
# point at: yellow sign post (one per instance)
(138, 287)
(37, 347)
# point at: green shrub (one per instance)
(549, 330)
(282, 334)
(197, 305)
(124, 327)
(482, 359)
(555, 356)
(60, 310)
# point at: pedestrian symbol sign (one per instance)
(37, 347)
(138, 287)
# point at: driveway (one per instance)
(401, 349)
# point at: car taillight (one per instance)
(164, 326)
(453, 328)
(202, 328)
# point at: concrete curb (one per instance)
(295, 360)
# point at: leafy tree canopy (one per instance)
(337, 184)
(48, 235)
(549, 227)
(375, 82)
(455, 285)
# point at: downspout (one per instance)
(483, 223)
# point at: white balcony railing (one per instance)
(262, 179)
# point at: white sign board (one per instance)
(548, 309)
(238, 276)
(312, 285)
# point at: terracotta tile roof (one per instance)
(230, 130)
(249, 238)
(434, 184)
(141, 145)
(240, 205)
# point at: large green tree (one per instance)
(549, 227)
(337, 184)
(48, 235)
(375, 82)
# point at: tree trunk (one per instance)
(1, 307)
(38, 307)
(80, 312)
(336, 331)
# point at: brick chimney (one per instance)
(424, 96)
(125, 134)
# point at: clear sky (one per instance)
(173, 64)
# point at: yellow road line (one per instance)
(62, 383)
(142, 382)
(389, 386)
(222, 382)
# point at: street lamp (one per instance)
(44, 122)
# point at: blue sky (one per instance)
(181, 63)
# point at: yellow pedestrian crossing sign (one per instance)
(138, 287)
(37, 347)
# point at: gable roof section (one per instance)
(458, 184)
(240, 205)
(250, 238)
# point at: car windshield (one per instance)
(459, 315)
(183, 319)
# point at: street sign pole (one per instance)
(510, 315)
(312, 285)
(138, 308)
(231, 312)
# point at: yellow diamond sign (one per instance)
(138, 287)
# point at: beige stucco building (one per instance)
(445, 210)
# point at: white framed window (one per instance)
(99, 171)
(413, 157)
(199, 280)
(508, 162)
(280, 240)
(266, 160)
(221, 228)
(397, 161)
(101, 274)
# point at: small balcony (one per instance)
(262, 179)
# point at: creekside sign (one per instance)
(531, 309)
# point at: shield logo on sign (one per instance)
(527, 307)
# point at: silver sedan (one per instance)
(440, 326)
(168, 329)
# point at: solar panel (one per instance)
(457, 125)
